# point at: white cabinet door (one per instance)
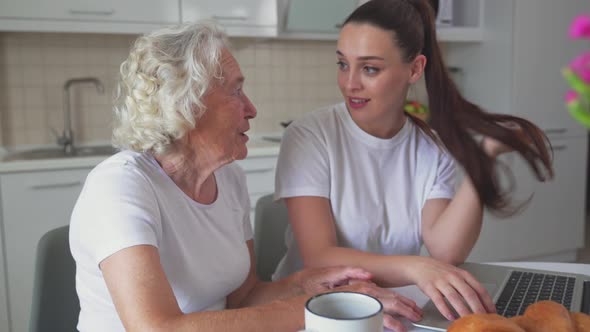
(323, 16)
(4, 325)
(32, 204)
(239, 17)
(541, 49)
(260, 177)
(553, 222)
(153, 11)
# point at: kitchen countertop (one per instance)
(256, 148)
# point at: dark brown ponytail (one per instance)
(454, 119)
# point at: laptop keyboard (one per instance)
(526, 288)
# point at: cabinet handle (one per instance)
(56, 185)
(231, 18)
(559, 147)
(552, 131)
(258, 170)
(92, 12)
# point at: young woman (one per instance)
(367, 184)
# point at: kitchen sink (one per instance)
(59, 153)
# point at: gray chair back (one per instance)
(55, 302)
(270, 222)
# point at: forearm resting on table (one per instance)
(145, 300)
(256, 292)
(265, 292)
(451, 237)
(387, 271)
(279, 315)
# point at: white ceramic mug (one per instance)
(343, 312)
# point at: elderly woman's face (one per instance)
(224, 123)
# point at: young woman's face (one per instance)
(374, 78)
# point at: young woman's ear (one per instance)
(417, 68)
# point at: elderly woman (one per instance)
(161, 232)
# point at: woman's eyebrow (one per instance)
(364, 57)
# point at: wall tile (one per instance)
(33, 76)
(15, 98)
(34, 98)
(16, 117)
(35, 136)
(11, 54)
(55, 55)
(35, 119)
(13, 75)
(32, 55)
(284, 79)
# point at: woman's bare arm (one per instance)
(144, 300)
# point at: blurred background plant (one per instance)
(417, 109)
(577, 74)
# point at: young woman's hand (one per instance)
(440, 281)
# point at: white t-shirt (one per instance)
(129, 200)
(376, 187)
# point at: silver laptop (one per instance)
(513, 289)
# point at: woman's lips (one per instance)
(357, 103)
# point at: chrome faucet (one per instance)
(67, 138)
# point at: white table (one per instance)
(414, 293)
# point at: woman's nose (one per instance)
(250, 110)
(353, 81)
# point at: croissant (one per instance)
(543, 316)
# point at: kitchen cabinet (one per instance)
(540, 51)
(553, 222)
(467, 24)
(516, 70)
(260, 176)
(319, 16)
(287, 19)
(316, 19)
(32, 204)
(243, 18)
(128, 16)
(4, 323)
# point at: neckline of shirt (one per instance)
(368, 139)
(152, 160)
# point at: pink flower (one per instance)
(580, 27)
(581, 66)
(570, 96)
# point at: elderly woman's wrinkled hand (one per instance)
(394, 304)
(351, 279)
(318, 280)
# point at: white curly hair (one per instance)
(162, 83)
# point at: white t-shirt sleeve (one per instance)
(117, 209)
(444, 183)
(303, 166)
